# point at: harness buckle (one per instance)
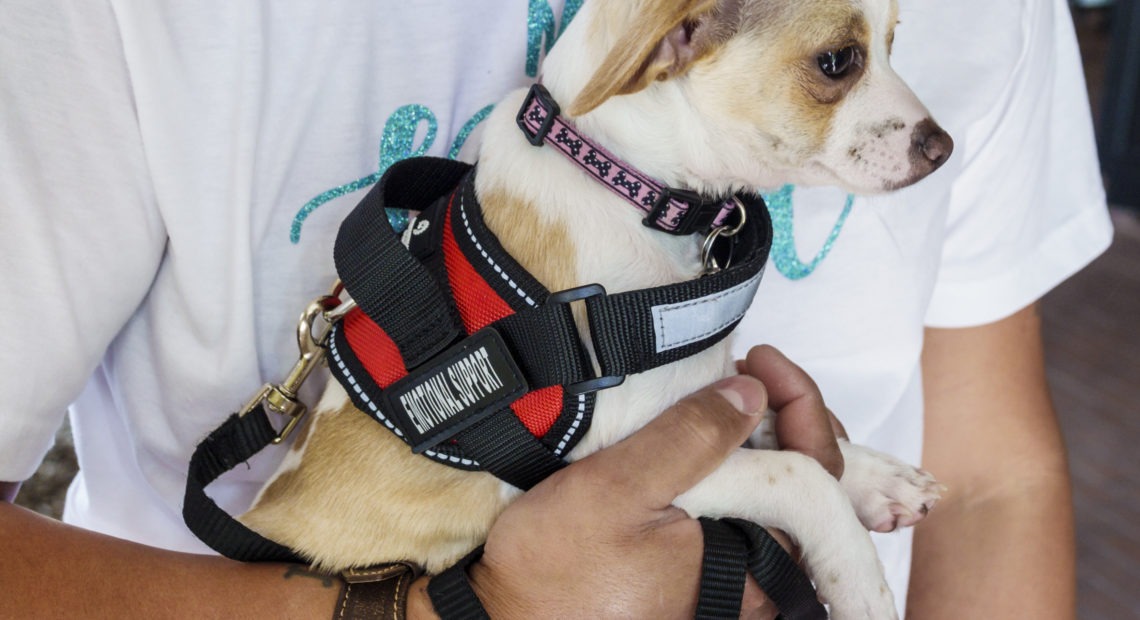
(538, 94)
(594, 384)
(699, 214)
(282, 398)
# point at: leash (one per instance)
(732, 546)
(480, 367)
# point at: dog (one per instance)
(714, 96)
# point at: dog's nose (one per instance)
(930, 145)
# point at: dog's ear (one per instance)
(659, 45)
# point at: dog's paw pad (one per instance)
(887, 493)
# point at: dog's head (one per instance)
(752, 92)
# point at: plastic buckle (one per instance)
(545, 101)
(699, 215)
(595, 384)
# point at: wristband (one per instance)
(376, 592)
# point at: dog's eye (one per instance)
(837, 63)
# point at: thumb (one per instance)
(683, 445)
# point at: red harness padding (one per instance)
(479, 305)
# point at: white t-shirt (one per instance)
(174, 174)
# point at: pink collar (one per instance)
(675, 211)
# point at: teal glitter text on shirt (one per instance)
(465, 131)
(397, 143)
(540, 25)
(784, 253)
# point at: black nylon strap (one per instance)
(235, 441)
(451, 593)
(376, 268)
(621, 324)
(779, 576)
(546, 345)
(504, 447)
(734, 545)
(722, 570)
(731, 546)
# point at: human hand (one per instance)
(601, 538)
(804, 423)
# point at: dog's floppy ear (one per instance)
(657, 46)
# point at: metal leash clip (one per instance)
(281, 398)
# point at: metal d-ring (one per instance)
(708, 261)
(731, 232)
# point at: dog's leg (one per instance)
(887, 493)
(792, 492)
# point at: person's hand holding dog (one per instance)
(601, 538)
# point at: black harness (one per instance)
(480, 367)
(495, 334)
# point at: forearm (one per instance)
(1000, 544)
(997, 553)
(52, 569)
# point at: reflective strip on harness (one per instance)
(679, 324)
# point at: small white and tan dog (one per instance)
(709, 95)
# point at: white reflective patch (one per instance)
(679, 324)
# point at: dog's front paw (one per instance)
(887, 493)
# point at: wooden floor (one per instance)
(1092, 346)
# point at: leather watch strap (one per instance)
(376, 592)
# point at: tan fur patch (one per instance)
(630, 65)
(892, 23)
(543, 248)
(768, 74)
(361, 496)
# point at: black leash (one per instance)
(732, 547)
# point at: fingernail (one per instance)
(745, 393)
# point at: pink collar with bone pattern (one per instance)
(675, 211)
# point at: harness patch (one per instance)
(456, 390)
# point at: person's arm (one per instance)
(1000, 544)
(596, 539)
(50, 569)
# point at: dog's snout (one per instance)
(931, 146)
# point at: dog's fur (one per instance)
(710, 95)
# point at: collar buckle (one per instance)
(692, 214)
(537, 114)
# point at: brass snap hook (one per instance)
(321, 314)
